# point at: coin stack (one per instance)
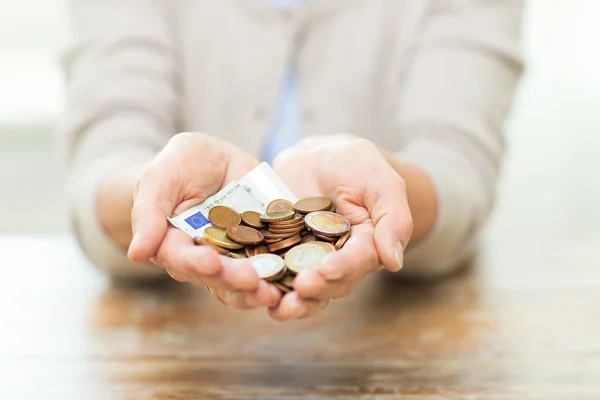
(286, 239)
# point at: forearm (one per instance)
(115, 201)
(422, 198)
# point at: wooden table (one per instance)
(522, 323)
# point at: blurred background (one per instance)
(549, 186)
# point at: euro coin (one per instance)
(305, 256)
(309, 237)
(285, 243)
(310, 204)
(288, 281)
(327, 223)
(284, 289)
(342, 241)
(204, 242)
(297, 220)
(277, 236)
(276, 216)
(329, 247)
(279, 205)
(224, 217)
(244, 234)
(237, 254)
(325, 238)
(218, 237)
(262, 249)
(267, 266)
(252, 219)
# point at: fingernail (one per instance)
(399, 255)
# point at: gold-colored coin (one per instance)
(204, 242)
(288, 281)
(282, 288)
(223, 217)
(306, 256)
(277, 216)
(218, 237)
(327, 223)
(237, 254)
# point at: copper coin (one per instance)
(310, 204)
(291, 226)
(261, 249)
(204, 242)
(244, 234)
(284, 244)
(276, 216)
(271, 241)
(325, 238)
(284, 231)
(280, 205)
(252, 219)
(249, 250)
(218, 237)
(297, 220)
(342, 241)
(224, 217)
(272, 236)
(327, 223)
(308, 238)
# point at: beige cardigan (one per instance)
(431, 80)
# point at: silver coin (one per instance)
(267, 265)
(305, 256)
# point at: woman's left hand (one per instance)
(365, 189)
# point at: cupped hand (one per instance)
(365, 189)
(192, 167)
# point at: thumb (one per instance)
(392, 219)
(154, 201)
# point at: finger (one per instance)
(179, 254)
(391, 218)
(357, 257)
(265, 296)
(154, 200)
(293, 306)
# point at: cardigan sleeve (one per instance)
(123, 106)
(457, 95)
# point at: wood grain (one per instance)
(522, 322)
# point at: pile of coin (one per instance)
(286, 239)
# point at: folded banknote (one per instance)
(251, 193)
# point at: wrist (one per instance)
(421, 194)
(115, 201)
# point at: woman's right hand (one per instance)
(192, 167)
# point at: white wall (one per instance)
(32, 33)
